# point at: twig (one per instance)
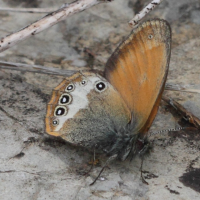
(89, 52)
(12, 171)
(185, 90)
(174, 87)
(47, 21)
(185, 114)
(29, 10)
(9, 115)
(144, 12)
(44, 23)
(59, 72)
(35, 68)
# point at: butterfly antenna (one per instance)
(166, 130)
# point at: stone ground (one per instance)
(36, 166)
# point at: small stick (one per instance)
(175, 87)
(144, 12)
(9, 115)
(29, 10)
(47, 21)
(186, 114)
(35, 68)
(89, 52)
(185, 90)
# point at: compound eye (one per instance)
(60, 111)
(83, 82)
(100, 86)
(70, 87)
(55, 122)
(65, 99)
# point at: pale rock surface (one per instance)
(36, 166)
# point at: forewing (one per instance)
(138, 70)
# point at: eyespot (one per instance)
(83, 82)
(60, 111)
(70, 87)
(100, 86)
(55, 122)
(65, 99)
(150, 36)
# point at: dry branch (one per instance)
(61, 14)
(144, 12)
(35, 68)
(188, 116)
(59, 72)
(175, 87)
(47, 21)
(29, 10)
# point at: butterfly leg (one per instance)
(93, 162)
(141, 175)
(144, 149)
(111, 158)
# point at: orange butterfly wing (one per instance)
(138, 70)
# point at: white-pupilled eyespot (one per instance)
(83, 82)
(65, 99)
(100, 86)
(70, 87)
(60, 111)
(55, 122)
(150, 37)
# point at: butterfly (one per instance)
(111, 111)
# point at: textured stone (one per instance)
(36, 166)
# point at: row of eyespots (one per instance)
(71, 86)
(100, 86)
(66, 99)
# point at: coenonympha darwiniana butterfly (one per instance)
(112, 112)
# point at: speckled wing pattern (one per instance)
(138, 70)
